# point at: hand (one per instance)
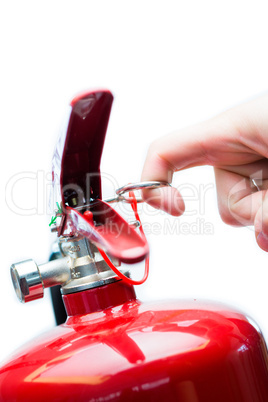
(235, 143)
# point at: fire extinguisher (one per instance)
(112, 347)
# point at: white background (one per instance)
(169, 64)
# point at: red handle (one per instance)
(77, 181)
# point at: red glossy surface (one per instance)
(80, 147)
(98, 299)
(175, 351)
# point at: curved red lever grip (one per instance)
(109, 231)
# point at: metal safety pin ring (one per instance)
(133, 187)
(121, 198)
(141, 186)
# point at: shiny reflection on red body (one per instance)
(174, 351)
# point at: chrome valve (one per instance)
(79, 266)
(29, 279)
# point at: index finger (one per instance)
(214, 143)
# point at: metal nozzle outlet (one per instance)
(29, 279)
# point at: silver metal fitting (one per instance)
(29, 279)
(80, 266)
(89, 270)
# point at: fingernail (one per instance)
(262, 240)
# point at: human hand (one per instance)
(235, 143)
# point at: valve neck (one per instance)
(98, 299)
(88, 269)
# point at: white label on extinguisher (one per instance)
(55, 194)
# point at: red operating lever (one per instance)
(77, 181)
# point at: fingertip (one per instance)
(167, 199)
(261, 224)
(262, 240)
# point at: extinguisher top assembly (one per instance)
(87, 224)
(113, 347)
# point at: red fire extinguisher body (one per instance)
(115, 348)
